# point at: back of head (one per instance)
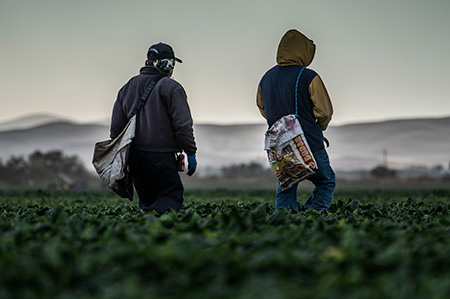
(295, 49)
(162, 56)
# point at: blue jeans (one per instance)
(324, 182)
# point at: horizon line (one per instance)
(221, 123)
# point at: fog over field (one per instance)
(412, 142)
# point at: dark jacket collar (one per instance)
(150, 70)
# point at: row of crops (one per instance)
(225, 244)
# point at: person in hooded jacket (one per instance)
(164, 127)
(276, 98)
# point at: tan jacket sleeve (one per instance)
(323, 109)
(259, 102)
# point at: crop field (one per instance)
(225, 244)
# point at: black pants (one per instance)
(156, 180)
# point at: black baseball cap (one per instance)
(161, 51)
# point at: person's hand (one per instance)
(192, 165)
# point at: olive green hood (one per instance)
(295, 49)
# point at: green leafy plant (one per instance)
(224, 244)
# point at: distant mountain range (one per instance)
(30, 121)
(356, 146)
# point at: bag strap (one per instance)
(296, 88)
(147, 92)
(145, 96)
(296, 105)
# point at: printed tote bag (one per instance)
(288, 152)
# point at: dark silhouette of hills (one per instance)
(30, 121)
(407, 142)
(355, 146)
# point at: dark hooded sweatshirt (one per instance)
(276, 90)
(164, 124)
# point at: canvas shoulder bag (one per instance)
(110, 158)
(288, 152)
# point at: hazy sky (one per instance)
(379, 59)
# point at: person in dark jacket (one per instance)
(276, 98)
(164, 127)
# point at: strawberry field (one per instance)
(225, 244)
